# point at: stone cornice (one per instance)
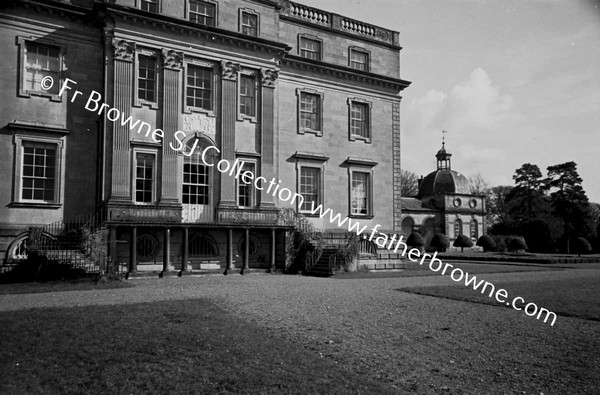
(166, 23)
(57, 8)
(345, 73)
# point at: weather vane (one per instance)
(443, 138)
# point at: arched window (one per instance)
(203, 246)
(18, 248)
(253, 246)
(458, 227)
(408, 225)
(197, 176)
(474, 230)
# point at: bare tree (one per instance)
(478, 185)
(409, 185)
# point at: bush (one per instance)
(487, 243)
(516, 243)
(582, 246)
(440, 242)
(463, 242)
(415, 240)
(500, 244)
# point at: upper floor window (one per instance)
(145, 175)
(360, 119)
(249, 23)
(149, 5)
(247, 96)
(246, 191)
(199, 87)
(310, 48)
(202, 12)
(147, 78)
(41, 69)
(360, 193)
(359, 59)
(310, 112)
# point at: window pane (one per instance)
(144, 177)
(310, 49)
(196, 188)
(360, 193)
(249, 24)
(147, 78)
(309, 111)
(246, 189)
(202, 13)
(359, 122)
(310, 185)
(247, 96)
(149, 5)
(359, 60)
(199, 87)
(41, 61)
(38, 172)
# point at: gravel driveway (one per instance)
(414, 343)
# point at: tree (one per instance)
(409, 184)
(463, 242)
(529, 187)
(582, 246)
(440, 242)
(497, 207)
(487, 243)
(478, 185)
(569, 201)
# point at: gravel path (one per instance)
(414, 343)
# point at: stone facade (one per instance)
(304, 97)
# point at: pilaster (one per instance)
(396, 166)
(229, 73)
(123, 57)
(172, 64)
(267, 121)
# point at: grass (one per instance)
(84, 284)
(189, 346)
(413, 269)
(567, 297)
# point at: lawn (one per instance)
(189, 346)
(567, 297)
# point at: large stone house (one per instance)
(119, 117)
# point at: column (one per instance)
(133, 251)
(246, 250)
(267, 122)
(396, 194)
(166, 251)
(113, 247)
(229, 73)
(172, 64)
(184, 251)
(273, 250)
(229, 262)
(124, 53)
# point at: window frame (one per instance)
(316, 39)
(321, 98)
(213, 100)
(137, 102)
(241, 116)
(368, 106)
(157, 2)
(320, 168)
(241, 26)
(60, 143)
(458, 224)
(214, 4)
(22, 42)
(253, 195)
(369, 193)
(144, 151)
(353, 49)
(474, 229)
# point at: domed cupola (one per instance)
(444, 180)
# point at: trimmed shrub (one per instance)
(500, 244)
(415, 240)
(463, 242)
(516, 243)
(487, 243)
(440, 242)
(582, 246)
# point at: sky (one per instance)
(511, 81)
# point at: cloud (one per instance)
(475, 104)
